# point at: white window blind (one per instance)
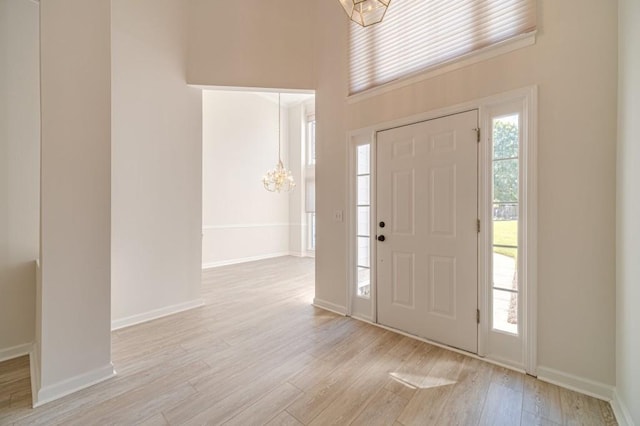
(416, 35)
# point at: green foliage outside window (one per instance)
(505, 165)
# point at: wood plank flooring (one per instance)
(259, 353)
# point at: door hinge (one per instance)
(477, 129)
(478, 316)
(478, 225)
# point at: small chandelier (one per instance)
(365, 12)
(278, 179)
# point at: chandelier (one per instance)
(278, 179)
(365, 12)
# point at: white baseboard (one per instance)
(623, 416)
(328, 306)
(15, 351)
(308, 254)
(155, 314)
(243, 260)
(575, 383)
(73, 384)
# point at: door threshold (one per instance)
(443, 346)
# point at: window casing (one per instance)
(508, 234)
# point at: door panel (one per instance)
(427, 263)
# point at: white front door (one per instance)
(427, 229)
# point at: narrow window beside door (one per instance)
(506, 169)
(363, 232)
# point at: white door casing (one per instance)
(427, 196)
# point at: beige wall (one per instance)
(241, 220)
(574, 66)
(157, 164)
(19, 171)
(628, 244)
(251, 43)
(75, 195)
(575, 69)
(331, 34)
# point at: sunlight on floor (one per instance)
(415, 381)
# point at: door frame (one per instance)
(366, 309)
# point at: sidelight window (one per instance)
(505, 209)
(363, 217)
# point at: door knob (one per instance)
(382, 224)
(381, 238)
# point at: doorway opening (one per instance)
(244, 135)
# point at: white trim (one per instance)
(251, 89)
(489, 52)
(247, 225)
(328, 306)
(576, 383)
(235, 261)
(307, 253)
(531, 242)
(484, 237)
(15, 351)
(620, 410)
(528, 96)
(363, 318)
(155, 314)
(73, 384)
(351, 218)
(441, 112)
(524, 102)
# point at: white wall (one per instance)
(628, 244)
(156, 168)
(241, 220)
(20, 176)
(575, 68)
(75, 59)
(251, 43)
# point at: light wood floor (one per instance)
(258, 353)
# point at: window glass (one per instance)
(505, 179)
(311, 142)
(363, 220)
(363, 153)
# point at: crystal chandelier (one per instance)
(278, 179)
(365, 12)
